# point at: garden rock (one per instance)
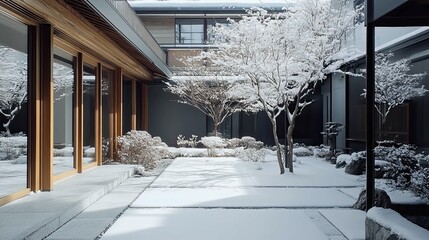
(381, 199)
(356, 167)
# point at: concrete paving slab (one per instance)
(350, 222)
(243, 197)
(225, 224)
(102, 213)
(42, 213)
(81, 228)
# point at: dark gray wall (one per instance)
(167, 118)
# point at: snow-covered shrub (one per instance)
(420, 183)
(89, 152)
(193, 141)
(321, 151)
(211, 143)
(181, 141)
(233, 143)
(302, 152)
(138, 147)
(105, 149)
(250, 154)
(250, 142)
(245, 142)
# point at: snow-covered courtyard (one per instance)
(227, 198)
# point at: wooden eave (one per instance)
(78, 25)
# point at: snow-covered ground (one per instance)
(13, 173)
(227, 198)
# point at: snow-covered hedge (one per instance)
(250, 154)
(138, 147)
(211, 143)
(11, 147)
(244, 142)
(302, 152)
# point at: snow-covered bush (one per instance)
(138, 147)
(105, 149)
(245, 142)
(403, 163)
(211, 143)
(302, 152)
(181, 141)
(321, 151)
(420, 183)
(13, 146)
(250, 154)
(191, 142)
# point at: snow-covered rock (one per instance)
(343, 160)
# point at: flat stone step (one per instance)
(38, 215)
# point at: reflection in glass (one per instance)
(139, 106)
(107, 113)
(88, 114)
(64, 78)
(127, 106)
(13, 106)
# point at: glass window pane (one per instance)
(185, 28)
(139, 106)
(64, 79)
(198, 28)
(107, 113)
(88, 114)
(127, 106)
(197, 38)
(13, 106)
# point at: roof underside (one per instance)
(203, 7)
(402, 13)
(94, 18)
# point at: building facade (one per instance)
(72, 79)
(182, 29)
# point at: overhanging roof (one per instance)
(399, 13)
(203, 6)
(140, 44)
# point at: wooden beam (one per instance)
(78, 114)
(47, 105)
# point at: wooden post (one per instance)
(78, 114)
(47, 105)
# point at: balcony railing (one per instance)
(129, 15)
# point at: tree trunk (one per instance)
(215, 128)
(289, 138)
(279, 149)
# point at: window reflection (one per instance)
(88, 114)
(107, 113)
(127, 104)
(64, 79)
(13, 106)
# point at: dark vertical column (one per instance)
(47, 101)
(133, 105)
(98, 115)
(78, 114)
(34, 99)
(370, 85)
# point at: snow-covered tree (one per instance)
(14, 81)
(283, 56)
(394, 84)
(208, 90)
